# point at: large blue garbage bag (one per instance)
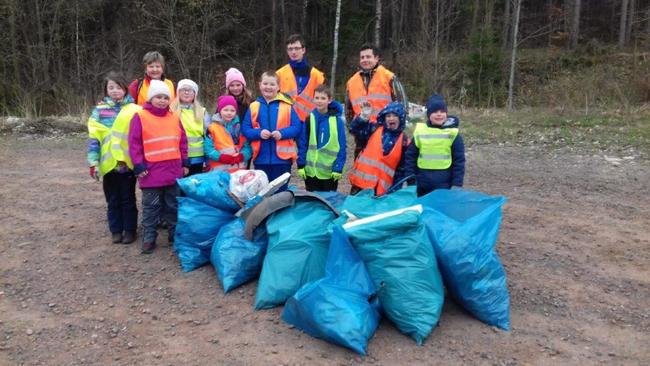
(336, 199)
(463, 227)
(297, 251)
(402, 264)
(365, 204)
(197, 227)
(211, 188)
(235, 259)
(337, 307)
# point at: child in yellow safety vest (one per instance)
(193, 116)
(108, 157)
(321, 147)
(158, 149)
(225, 147)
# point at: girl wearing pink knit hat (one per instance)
(236, 87)
(225, 146)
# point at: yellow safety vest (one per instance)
(434, 145)
(320, 161)
(113, 141)
(194, 131)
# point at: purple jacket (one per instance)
(161, 173)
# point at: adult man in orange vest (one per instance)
(299, 80)
(369, 90)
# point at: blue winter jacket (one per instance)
(323, 135)
(267, 118)
(364, 129)
(430, 179)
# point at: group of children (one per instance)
(150, 132)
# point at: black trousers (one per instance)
(323, 185)
(119, 190)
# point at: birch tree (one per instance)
(377, 23)
(575, 24)
(336, 45)
(513, 56)
(622, 24)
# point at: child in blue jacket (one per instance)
(436, 155)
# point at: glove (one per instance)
(226, 159)
(366, 111)
(336, 175)
(302, 174)
(94, 173)
(238, 158)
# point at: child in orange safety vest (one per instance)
(158, 149)
(225, 147)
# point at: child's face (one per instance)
(236, 88)
(296, 51)
(154, 70)
(321, 100)
(437, 118)
(269, 87)
(160, 101)
(228, 113)
(392, 121)
(115, 91)
(186, 96)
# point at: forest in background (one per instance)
(573, 54)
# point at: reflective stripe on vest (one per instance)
(224, 144)
(161, 136)
(378, 93)
(304, 102)
(194, 131)
(144, 89)
(434, 145)
(284, 148)
(373, 169)
(320, 161)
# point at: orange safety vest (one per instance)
(144, 89)
(224, 144)
(161, 136)
(304, 102)
(374, 170)
(285, 148)
(378, 93)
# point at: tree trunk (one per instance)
(513, 57)
(622, 24)
(274, 28)
(377, 23)
(505, 33)
(285, 25)
(575, 24)
(630, 21)
(303, 18)
(336, 46)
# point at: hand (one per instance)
(276, 135)
(366, 110)
(226, 159)
(186, 171)
(265, 134)
(302, 174)
(238, 158)
(336, 175)
(143, 174)
(94, 173)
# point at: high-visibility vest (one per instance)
(320, 161)
(285, 148)
(161, 136)
(224, 144)
(373, 169)
(434, 145)
(143, 89)
(120, 134)
(378, 93)
(112, 150)
(194, 131)
(304, 102)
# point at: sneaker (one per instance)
(116, 238)
(147, 248)
(129, 237)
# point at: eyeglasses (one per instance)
(186, 91)
(294, 48)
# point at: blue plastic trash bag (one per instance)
(402, 264)
(336, 308)
(463, 227)
(235, 259)
(335, 199)
(365, 204)
(296, 253)
(197, 227)
(211, 188)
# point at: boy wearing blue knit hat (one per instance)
(436, 155)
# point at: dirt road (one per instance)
(574, 241)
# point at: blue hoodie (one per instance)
(323, 135)
(430, 179)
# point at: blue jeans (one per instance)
(119, 190)
(158, 203)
